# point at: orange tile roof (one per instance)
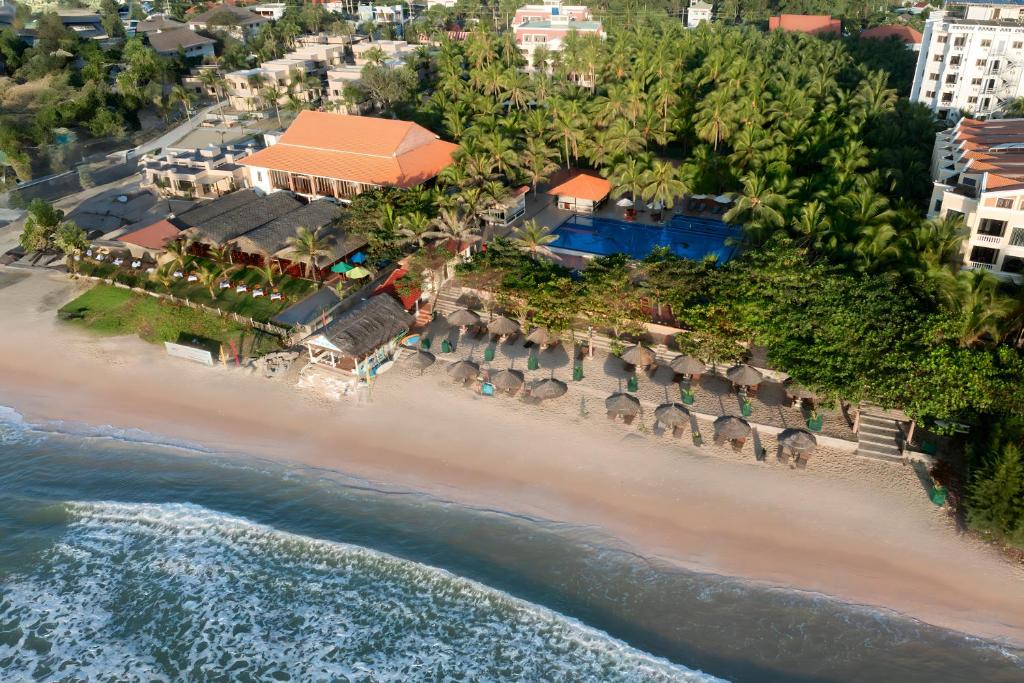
(152, 236)
(806, 23)
(358, 149)
(904, 33)
(583, 186)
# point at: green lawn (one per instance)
(109, 310)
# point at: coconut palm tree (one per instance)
(453, 225)
(414, 228)
(271, 94)
(208, 276)
(982, 309)
(532, 239)
(662, 182)
(760, 207)
(184, 97)
(178, 250)
(537, 162)
(309, 245)
(630, 175)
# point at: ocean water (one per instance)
(123, 558)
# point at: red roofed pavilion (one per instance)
(815, 24)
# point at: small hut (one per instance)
(623, 405)
(744, 377)
(673, 416)
(732, 428)
(361, 338)
(688, 366)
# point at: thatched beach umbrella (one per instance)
(623, 404)
(507, 380)
(423, 359)
(672, 415)
(797, 440)
(687, 365)
(462, 317)
(732, 428)
(638, 355)
(502, 326)
(463, 370)
(744, 375)
(542, 337)
(549, 388)
(799, 392)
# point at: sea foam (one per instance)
(142, 592)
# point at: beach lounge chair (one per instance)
(224, 284)
(242, 288)
(192, 277)
(612, 415)
(178, 274)
(257, 292)
(678, 432)
(136, 264)
(628, 419)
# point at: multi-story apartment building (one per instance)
(978, 172)
(345, 99)
(196, 173)
(237, 22)
(547, 26)
(300, 73)
(972, 58)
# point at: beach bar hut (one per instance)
(362, 338)
(732, 428)
(581, 192)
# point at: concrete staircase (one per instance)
(878, 436)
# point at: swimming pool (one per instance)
(685, 236)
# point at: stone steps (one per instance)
(878, 437)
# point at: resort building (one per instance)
(382, 14)
(581, 192)
(971, 58)
(908, 36)
(547, 26)
(360, 340)
(814, 24)
(699, 12)
(978, 173)
(335, 155)
(507, 211)
(196, 173)
(170, 42)
(238, 22)
(392, 49)
(300, 73)
(149, 242)
(257, 228)
(158, 22)
(269, 10)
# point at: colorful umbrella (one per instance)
(358, 257)
(357, 273)
(341, 268)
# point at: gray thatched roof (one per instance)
(423, 359)
(502, 326)
(672, 414)
(799, 440)
(310, 309)
(272, 236)
(744, 374)
(507, 380)
(199, 214)
(542, 337)
(732, 427)
(365, 327)
(238, 221)
(464, 369)
(549, 388)
(623, 404)
(687, 365)
(461, 317)
(638, 354)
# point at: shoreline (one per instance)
(856, 532)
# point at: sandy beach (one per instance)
(860, 530)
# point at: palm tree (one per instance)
(453, 225)
(982, 309)
(532, 239)
(714, 119)
(414, 228)
(270, 271)
(759, 207)
(537, 161)
(629, 175)
(178, 250)
(309, 245)
(271, 94)
(184, 97)
(663, 183)
(209, 275)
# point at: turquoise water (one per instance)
(124, 559)
(694, 238)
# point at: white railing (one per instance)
(990, 239)
(975, 265)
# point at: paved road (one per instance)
(173, 135)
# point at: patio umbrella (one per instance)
(507, 380)
(464, 369)
(799, 391)
(687, 365)
(357, 273)
(639, 355)
(797, 440)
(541, 337)
(672, 415)
(341, 267)
(624, 203)
(731, 427)
(724, 199)
(358, 257)
(744, 375)
(622, 404)
(423, 359)
(502, 326)
(698, 196)
(462, 317)
(549, 388)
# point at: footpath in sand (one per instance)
(860, 530)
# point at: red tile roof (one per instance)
(152, 236)
(806, 23)
(583, 185)
(904, 33)
(358, 149)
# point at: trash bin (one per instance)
(446, 346)
(425, 343)
(632, 384)
(938, 494)
(746, 408)
(489, 353)
(577, 373)
(532, 363)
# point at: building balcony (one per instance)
(987, 239)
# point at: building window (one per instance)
(990, 226)
(1013, 264)
(985, 103)
(930, 93)
(980, 62)
(986, 43)
(972, 100)
(938, 205)
(1017, 44)
(985, 255)
(937, 58)
(975, 81)
(941, 39)
(933, 77)
(951, 78)
(1004, 203)
(960, 41)
(1017, 237)
(947, 97)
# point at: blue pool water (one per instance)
(685, 236)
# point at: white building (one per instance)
(698, 12)
(972, 58)
(978, 171)
(548, 25)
